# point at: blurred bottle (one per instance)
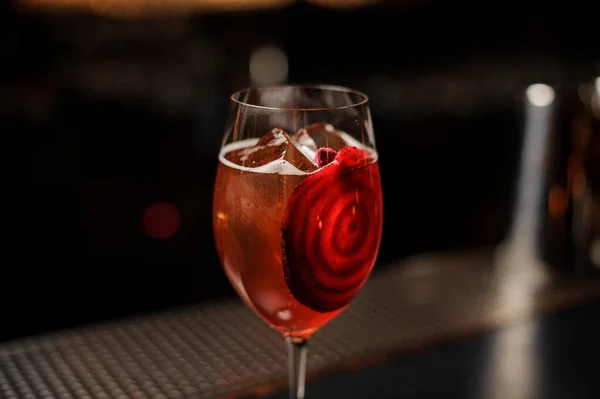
(584, 179)
(570, 234)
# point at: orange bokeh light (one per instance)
(558, 200)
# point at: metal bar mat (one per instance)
(224, 350)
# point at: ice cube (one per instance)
(318, 135)
(273, 146)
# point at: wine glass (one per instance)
(297, 207)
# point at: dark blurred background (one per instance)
(108, 108)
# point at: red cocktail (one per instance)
(298, 216)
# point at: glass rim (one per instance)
(363, 99)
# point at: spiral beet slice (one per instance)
(331, 230)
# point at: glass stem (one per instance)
(297, 366)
